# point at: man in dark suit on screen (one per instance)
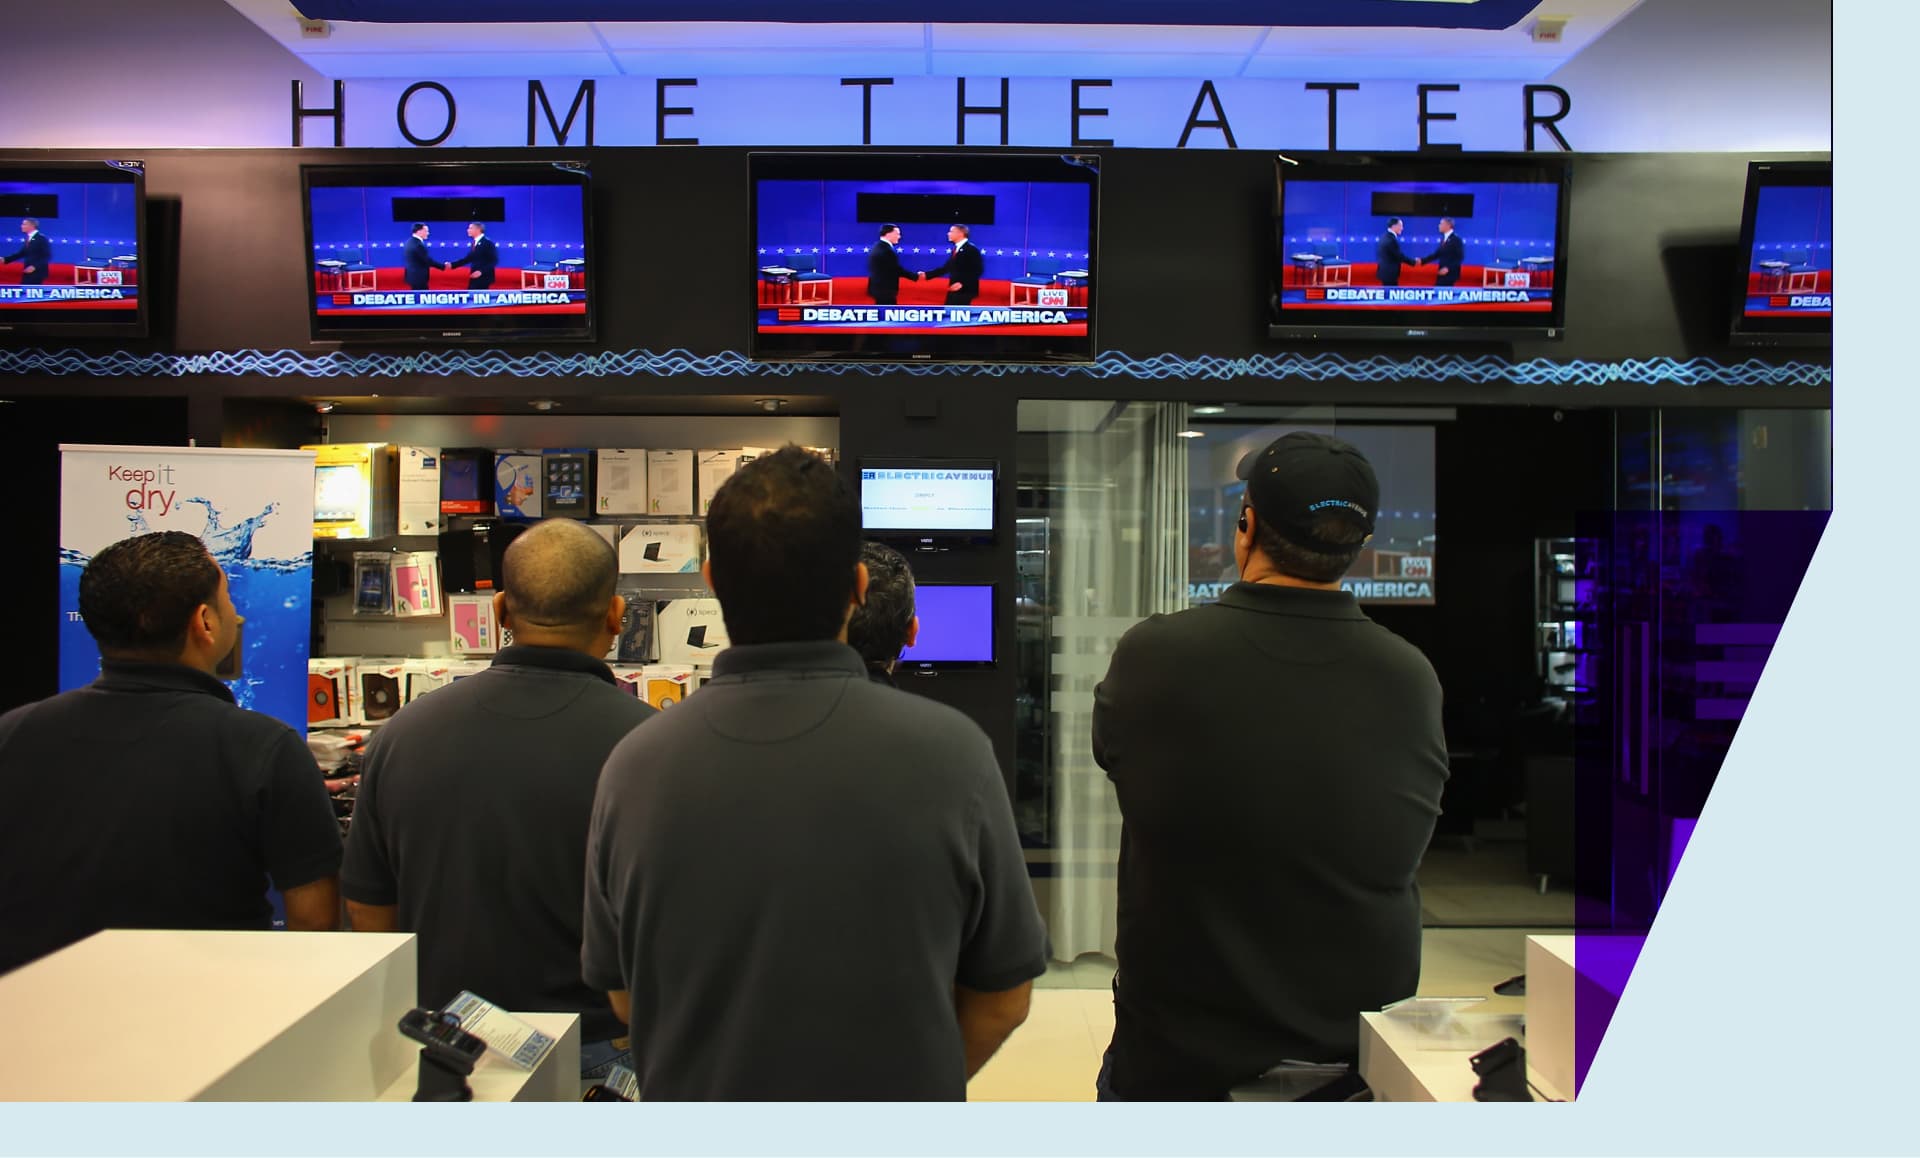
(1388, 256)
(962, 269)
(483, 257)
(1448, 257)
(36, 253)
(419, 261)
(883, 267)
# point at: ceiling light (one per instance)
(1190, 434)
(1206, 410)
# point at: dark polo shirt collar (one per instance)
(1306, 602)
(825, 656)
(554, 659)
(120, 675)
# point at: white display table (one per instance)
(1550, 1005)
(1401, 1064)
(166, 1016)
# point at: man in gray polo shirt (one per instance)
(802, 884)
(470, 828)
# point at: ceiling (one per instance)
(1382, 39)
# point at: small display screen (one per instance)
(951, 499)
(1790, 264)
(956, 624)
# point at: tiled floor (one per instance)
(1055, 1055)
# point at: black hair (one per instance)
(888, 228)
(35, 220)
(1393, 221)
(139, 595)
(878, 630)
(783, 541)
(964, 231)
(559, 575)
(417, 227)
(481, 224)
(1315, 564)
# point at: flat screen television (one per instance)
(956, 627)
(449, 251)
(1466, 247)
(76, 267)
(1784, 293)
(994, 258)
(929, 503)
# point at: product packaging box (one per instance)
(419, 490)
(655, 548)
(423, 676)
(632, 679)
(569, 475)
(330, 690)
(517, 484)
(670, 482)
(470, 625)
(466, 481)
(382, 684)
(691, 632)
(636, 643)
(667, 685)
(621, 482)
(416, 584)
(372, 583)
(353, 490)
(715, 467)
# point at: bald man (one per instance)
(470, 827)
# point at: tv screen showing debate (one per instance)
(442, 250)
(1790, 263)
(923, 257)
(1420, 246)
(70, 245)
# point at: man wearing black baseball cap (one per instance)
(1278, 759)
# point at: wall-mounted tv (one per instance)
(956, 627)
(1784, 293)
(992, 256)
(455, 251)
(928, 503)
(72, 248)
(1467, 247)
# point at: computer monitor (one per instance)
(956, 627)
(929, 503)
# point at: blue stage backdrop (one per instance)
(1505, 216)
(87, 219)
(542, 217)
(1795, 219)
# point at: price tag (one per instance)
(624, 1082)
(514, 1040)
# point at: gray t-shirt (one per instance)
(790, 871)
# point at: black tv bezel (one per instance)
(931, 666)
(1745, 331)
(802, 165)
(454, 328)
(924, 538)
(1422, 325)
(73, 323)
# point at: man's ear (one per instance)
(502, 618)
(616, 614)
(861, 580)
(913, 631)
(706, 573)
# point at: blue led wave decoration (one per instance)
(1481, 370)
